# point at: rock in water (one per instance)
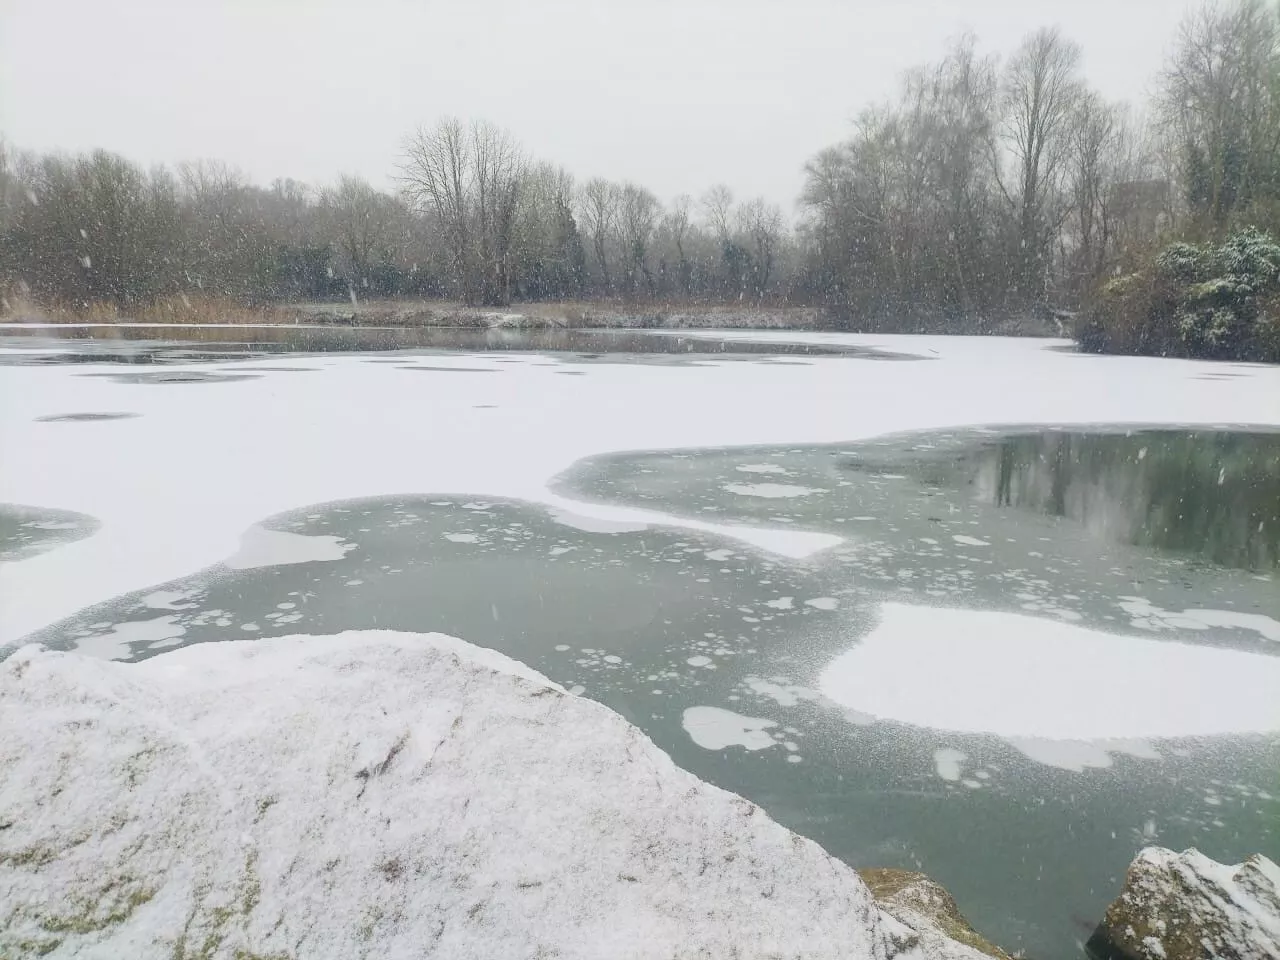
(375, 794)
(1184, 906)
(925, 905)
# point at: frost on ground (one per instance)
(1037, 683)
(374, 794)
(1185, 906)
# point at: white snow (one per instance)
(462, 537)
(1147, 616)
(260, 547)
(823, 603)
(393, 756)
(782, 603)
(279, 442)
(771, 468)
(714, 728)
(1039, 682)
(771, 491)
(949, 762)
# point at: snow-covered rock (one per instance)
(925, 905)
(384, 795)
(1185, 906)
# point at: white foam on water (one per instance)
(260, 547)
(713, 728)
(969, 541)
(1032, 680)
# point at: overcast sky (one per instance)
(675, 94)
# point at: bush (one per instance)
(1210, 300)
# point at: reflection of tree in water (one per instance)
(1211, 493)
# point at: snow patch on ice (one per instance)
(462, 537)
(771, 491)
(823, 603)
(949, 762)
(781, 691)
(596, 524)
(260, 547)
(969, 541)
(1146, 616)
(1079, 755)
(772, 468)
(714, 728)
(1038, 682)
(115, 644)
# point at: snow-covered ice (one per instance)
(949, 762)
(714, 728)
(271, 444)
(1045, 686)
(1147, 616)
(260, 547)
(392, 756)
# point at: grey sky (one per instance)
(676, 95)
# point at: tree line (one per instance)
(983, 189)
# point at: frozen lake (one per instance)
(1004, 614)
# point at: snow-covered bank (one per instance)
(177, 486)
(383, 795)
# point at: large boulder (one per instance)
(1185, 906)
(384, 795)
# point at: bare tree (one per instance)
(1093, 135)
(436, 175)
(1041, 88)
(1219, 92)
(470, 177)
(599, 203)
(761, 224)
(638, 211)
(360, 219)
(717, 207)
(677, 224)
